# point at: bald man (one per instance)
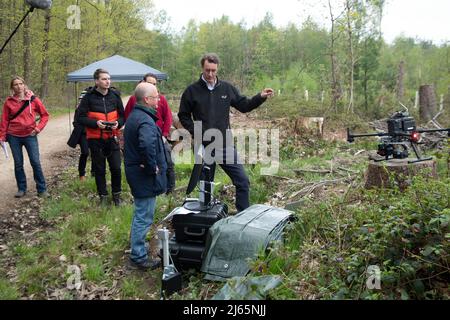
(145, 169)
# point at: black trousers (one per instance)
(170, 167)
(102, 151)
(229, 163)
(84, 148)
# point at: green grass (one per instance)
(8, 291)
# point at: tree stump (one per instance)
(428, 104)
(312, 123)
(397, 172)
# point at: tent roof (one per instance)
(120, 68)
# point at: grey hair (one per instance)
(143, 90)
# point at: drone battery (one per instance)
(195, 226)
(409, 124)
(401, 124)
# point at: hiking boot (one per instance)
(43, 194)
(19, 194)
(116, 199)
(103, 200)
(149, 264)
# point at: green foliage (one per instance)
(404, 234)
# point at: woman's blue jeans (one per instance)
(144, 208)
(31, 145)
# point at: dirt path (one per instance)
(52, 140)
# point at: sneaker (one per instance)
(19, 194)
(146, 265)
(43, 194)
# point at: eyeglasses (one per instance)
(154, 97)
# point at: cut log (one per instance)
(397, 172)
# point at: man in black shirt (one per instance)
(208, 100)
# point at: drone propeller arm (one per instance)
(351, 137)
(434, 130)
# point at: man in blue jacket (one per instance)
(208, 100)
(145, 169)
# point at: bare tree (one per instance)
(400, 88)
(45, 59)
(428, 103)
(336, 91)
(348, 9)
(27, 50)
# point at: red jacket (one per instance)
(163, 113)
(25, 123)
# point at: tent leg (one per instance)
(68, 107)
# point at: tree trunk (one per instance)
(351, 56)
(2, 69)
(27, 50)
(366, 93)
(335, 88)
(447, 101)
(397, 173)
(45, 59)
(400, 81)
(427, 101)
(416, 101)
(11, 45)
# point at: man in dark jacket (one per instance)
(145, 169)
(208, 100)
(101, 112)
(164, 122)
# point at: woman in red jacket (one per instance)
(19, 128)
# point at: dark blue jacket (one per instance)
(143, 151)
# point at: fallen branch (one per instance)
(276, 177)
(312, 171)
(348, 170)
(309, 189)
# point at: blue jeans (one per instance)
(32, 147)
(144, 208)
